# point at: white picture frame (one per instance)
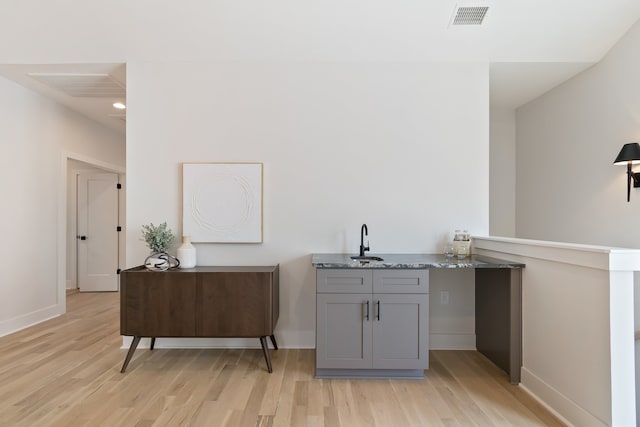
(222, 202)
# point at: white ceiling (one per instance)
(513, 84)
(97, 107)
(531, 45)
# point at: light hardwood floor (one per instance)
(66, 372)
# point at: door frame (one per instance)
(61, 299)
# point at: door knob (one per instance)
(82, 237)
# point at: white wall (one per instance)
(567, 187)
(502, 172)
(577, 327)
(381, 138)
(401, 147)
(35, 133)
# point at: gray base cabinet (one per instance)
(372, 323)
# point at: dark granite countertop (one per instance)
(417, 261)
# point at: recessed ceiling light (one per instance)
(119, 105)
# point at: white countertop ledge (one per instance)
(594, 256)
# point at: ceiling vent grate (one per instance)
(469, 15)
(83, 85)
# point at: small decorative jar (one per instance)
(187, 253)
(463, 249)
(462, 243)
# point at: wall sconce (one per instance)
(629, 155)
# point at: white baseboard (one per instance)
(16, 324)
(295, 339)
(195, 342)
(288, 339)
(452, 341)
(560, 405)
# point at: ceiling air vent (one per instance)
(469, 15)
(83, 85)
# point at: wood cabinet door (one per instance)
(343, 332)
(158, 304)
(234, 304)
(400, 331)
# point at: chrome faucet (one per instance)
(364, 231)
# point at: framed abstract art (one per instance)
(222, 202)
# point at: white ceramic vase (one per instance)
(187, 253)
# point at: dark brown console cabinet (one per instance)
(205, 302)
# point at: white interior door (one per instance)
(97, 232)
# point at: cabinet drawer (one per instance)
(394, 281)
(349, 281)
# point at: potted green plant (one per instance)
(158, 239)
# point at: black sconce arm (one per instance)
(631, 176)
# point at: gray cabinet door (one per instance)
(400, 331)
(394, 281)
(348, 281)
(343, 333)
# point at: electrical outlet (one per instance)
(444, 297)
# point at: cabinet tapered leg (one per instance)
(273, 341)
(265, 350)
(153, 342)
(132, 349)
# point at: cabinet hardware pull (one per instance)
(367, 315)
(378, 304)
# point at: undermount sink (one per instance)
(366, 258)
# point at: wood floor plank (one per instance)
(282, 417)
(411, 401)
(270, 399)
(385, 404)
(66, 372)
